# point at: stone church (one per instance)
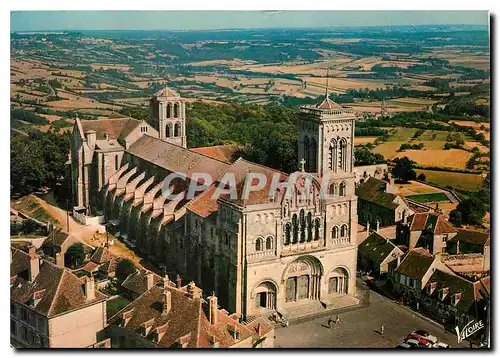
(268, 252)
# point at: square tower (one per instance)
(167, 111)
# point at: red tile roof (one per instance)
(224, 153)
(432, 222)
(114, 127)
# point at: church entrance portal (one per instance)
(265, 296)
(303, 279)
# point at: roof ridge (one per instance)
(260, 165)
(56, 293)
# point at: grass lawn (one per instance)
(30, 206)
(400, 134)
(427, 198)
(456, 180)
(115, 305)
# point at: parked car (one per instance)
(403, 345)
(426, 335)
(413, 343)
(440, 345)
(420, 339)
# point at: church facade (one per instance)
(276, 249)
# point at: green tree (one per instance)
(456, 218)
(421, 177)
(472, 210)
(75, 255)
(124, 268)
(403, 169)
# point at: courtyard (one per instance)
(360, 328)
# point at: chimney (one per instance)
(34, 267)
(368, 228)
(212, 309)
(193, 290)
(166, 281)
(378, 224)
(179, 281)
(149, 279)
(405, 216)
(60, 259)
(399, 260)
(167, 302)
(89, 288)
(91, 138)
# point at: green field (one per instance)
(428, 198)
(114, 305)
(456, 180)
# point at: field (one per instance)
(452, 158)
(415, 188)
(428, 198)
(364, 140)
(456, 180)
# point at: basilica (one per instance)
(267, 252)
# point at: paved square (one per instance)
(360, 328)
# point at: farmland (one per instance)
(463, 181)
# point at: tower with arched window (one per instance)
(167, 110)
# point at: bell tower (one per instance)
(167, 110)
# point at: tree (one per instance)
(472, 210)
(456, 218)
(421, 177)
(75, 255)
(403, 169)
(124, 268)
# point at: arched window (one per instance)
(168, 130)
(117, 163)
(295, 228)
(176, 110)
(269, 243)
(314, 156)
(332, 155)
(342, 189)
(335, 232)
(309, 227)
(258, 244)
(344, 207)
(343, 231)
(302, 226)
(317, 226)
(177, 130)
(227, 238)
(169, 110)
(306, 153)
(343, 155)
(333, 189)
(288, 229)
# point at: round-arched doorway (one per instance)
(265, 295)
(338, 282)
(303, 279)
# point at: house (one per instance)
(139, 282)
(168, 316)
(378, 203)
(50, 307)
(428, 230)
(363, 172)
(375, 253)
(413, 273)
(103, 261)
(469, 242)
(452, 300)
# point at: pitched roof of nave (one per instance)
(114, 127)
(224, 153)
(175, 158)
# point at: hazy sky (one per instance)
(190, 20)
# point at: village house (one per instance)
(139, 281)
(379, 204)
(50, 307)
(375, 253)
(428, 230)
(169, 316)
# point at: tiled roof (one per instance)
(186, 318)
(137, 281)
(327, 103)
(166, 92)
(455, 284)
(376, 248)
(241, 168)
(415, 264)
(472, 237)
(224, 153)
(59, 237)
(114, 127)
(431, 222)
(204, 205)
(175, 158)
(102, 255)
(60, 290)
(260, 327)
(373, 191)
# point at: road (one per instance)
(361, 328)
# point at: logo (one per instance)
(469, 329)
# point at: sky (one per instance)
(206, 20)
